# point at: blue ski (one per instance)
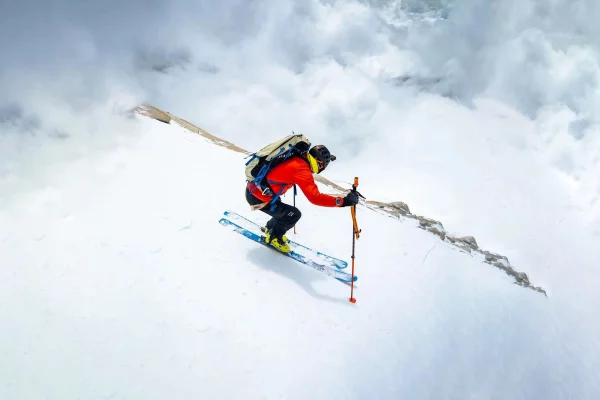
(327, 270)
(336, 262)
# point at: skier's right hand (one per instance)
(351, 199)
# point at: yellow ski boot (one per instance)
(268, 235)
(280, 244)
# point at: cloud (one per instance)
(333, 69)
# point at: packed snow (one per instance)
(118, 282)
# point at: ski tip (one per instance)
(347, 281)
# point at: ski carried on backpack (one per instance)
(326, 269)
(321, 257)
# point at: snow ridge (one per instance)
(398, 209)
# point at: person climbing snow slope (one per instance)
(296, 169)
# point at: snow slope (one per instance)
(117, 282)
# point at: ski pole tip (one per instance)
(352, 300)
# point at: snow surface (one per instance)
(117, 282)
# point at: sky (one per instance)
(483, 115)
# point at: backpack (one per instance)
(271, 156)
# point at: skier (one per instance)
(297, 170)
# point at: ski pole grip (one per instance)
(355, 183)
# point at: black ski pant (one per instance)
(284, 216)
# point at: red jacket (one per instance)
(295, 171)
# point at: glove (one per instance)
(351, 199)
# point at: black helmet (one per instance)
(322, 155)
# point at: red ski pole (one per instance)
(355, 236)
